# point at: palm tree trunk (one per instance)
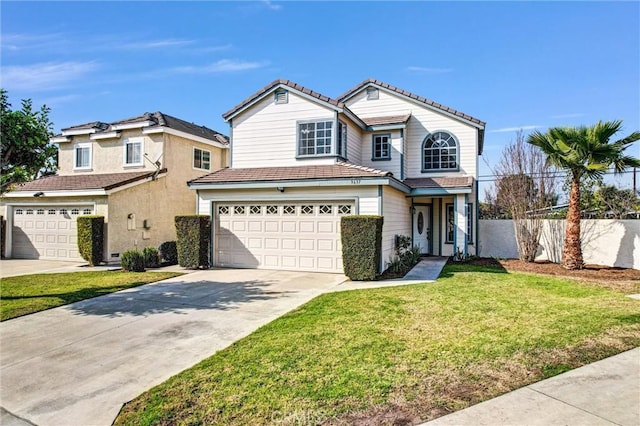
(572, 255)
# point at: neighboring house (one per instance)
(300, 160)
(134, 172)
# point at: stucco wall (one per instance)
(604, 242)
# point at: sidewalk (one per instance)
(606, 392)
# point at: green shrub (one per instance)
(132, 261)
(91, 238)
(361, 246)
(194, 237)
(169, 252)
(405, 255)
(151, 257)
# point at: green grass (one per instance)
(27, 294)
(405, 353)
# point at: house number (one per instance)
(355, 181)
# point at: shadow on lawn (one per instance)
(487, 265)
(177, 297)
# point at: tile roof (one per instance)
(275, 83)
(83, 181)
(157, 119)
(410, 95)
(389, 119)
(267, 174)
(440, 182)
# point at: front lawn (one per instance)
(33, 293)
(399, 355)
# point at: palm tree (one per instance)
(584, 152)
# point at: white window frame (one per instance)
(133, 141)
(193, 161)
(326, 146)
(341, 139)
(75, 156)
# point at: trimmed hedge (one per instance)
(194, 237)
(169, 252)
(91, 238)
(132, 261)
(151, 257)
(361, 246)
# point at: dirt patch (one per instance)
(620, 279)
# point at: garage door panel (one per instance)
(46, 232)
(294, 236)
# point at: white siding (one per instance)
(423, 121)
(266, 134)
(354, 142)
(392, 165)
(397, 220)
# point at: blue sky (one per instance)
(512, 64)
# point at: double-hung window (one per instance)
(381, 147)
(133, 152)
(82, 156)
(342, 140)
(315, 138)
(201, 159)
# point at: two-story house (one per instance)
(133, 172)
(300, 160)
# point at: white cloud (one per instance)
(570, 115)
(223, 65)
(516, 128)
(429, 70)
(45, 76)
(157, 44)
(15, 42)
(63, 99)
(272, 6)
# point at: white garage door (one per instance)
(289, 236)
(46, 232)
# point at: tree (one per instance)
(615, 203)
(524, 187)
(24, 143)
(583, 152)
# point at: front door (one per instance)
(421, 231)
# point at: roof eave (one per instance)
(291, 183)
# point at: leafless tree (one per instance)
(524, 187)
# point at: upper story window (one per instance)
(201, 159)
(439, 152)
(381, 147)
(342, 140)
(314, 138)
(133, 152)
(82, 156)
(372, 93)
(281, 96)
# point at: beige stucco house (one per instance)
(134, 172)
(300, 160)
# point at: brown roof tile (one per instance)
(425, 101)
(273, 84)
(389, 119)
(83, 181)
(262, 174)
(158, 119)
(440, 182)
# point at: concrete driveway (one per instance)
(14, 267)
(77, 364)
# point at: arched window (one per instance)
(440, 152)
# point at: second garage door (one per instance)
(301, 236)
(46, 232)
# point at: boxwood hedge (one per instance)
(194, 237)
(361, 246)
(91, 238)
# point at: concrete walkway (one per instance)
(606, 392)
